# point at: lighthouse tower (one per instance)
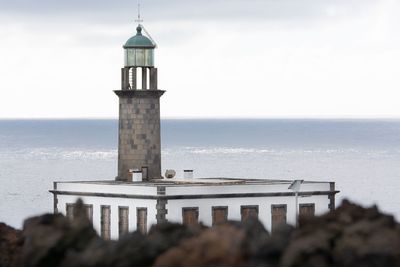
(139, 142)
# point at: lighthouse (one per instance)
(140, 197)
(139, 141)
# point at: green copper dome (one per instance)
(139, 40)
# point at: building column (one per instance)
(144, 78)
(153, 78)
(125, 78)
(134, 78)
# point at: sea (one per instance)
(361, 156)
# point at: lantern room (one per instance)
(139, 50)
(139, 62)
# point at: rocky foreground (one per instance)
(350, 236)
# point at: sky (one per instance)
(216, 58)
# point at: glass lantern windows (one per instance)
(139, 57)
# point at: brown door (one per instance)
(307, 210)
(70, 209)
(278, 216)
(219, 215)
(142, 220)
(89, 212)
(249, 212)
(123, 221)
(105, 222)
(190, 216)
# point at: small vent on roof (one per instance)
(136, 175)
(187, 174)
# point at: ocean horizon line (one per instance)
(377, 118)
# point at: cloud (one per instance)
(161, 10)
(271, 58)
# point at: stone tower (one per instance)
(139, 141)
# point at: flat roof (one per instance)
(194, 181)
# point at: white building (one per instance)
(140, 197)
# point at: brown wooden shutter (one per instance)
(142, 220)
(70, 211)
(249, 212)
(278, 213)
(105, 222)
(307, 210)
(190, 216)
(219, 215)
(89, 212)
(123, 220)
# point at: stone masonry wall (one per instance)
(139, 143)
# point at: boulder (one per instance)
(349, 236)
(48, 238)
(10, 245)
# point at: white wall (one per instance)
(243, 188)
(186, 189)
(108, 188)
(205, 207)
(114, 203)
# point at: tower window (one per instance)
(278, 215)
(123, 220)
(219, 215)
(142, 220)
(105, 222)
(190, 216)
(249, 212)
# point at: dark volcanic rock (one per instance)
(10, 245)
(231, 244)
(141, 251)
(133, 249)
(269, 253)
(48, 238)
(217, 246)
(350, 236)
